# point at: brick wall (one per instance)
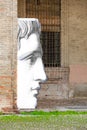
(8, 34)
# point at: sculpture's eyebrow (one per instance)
(38, 52)
(27, 56)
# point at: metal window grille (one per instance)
(48, 13)
(51, 48)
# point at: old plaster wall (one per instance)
(77, 32)
(8, 36)
(77, 50)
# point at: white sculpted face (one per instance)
(30, 69)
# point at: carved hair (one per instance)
(27, 26)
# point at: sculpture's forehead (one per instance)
(30, 45)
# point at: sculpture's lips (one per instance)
(35, 92)
(35, 88)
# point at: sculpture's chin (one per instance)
(29, 104)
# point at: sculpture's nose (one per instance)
(39, 73)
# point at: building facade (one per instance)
(67, 74)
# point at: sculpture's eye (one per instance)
(32, 60)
